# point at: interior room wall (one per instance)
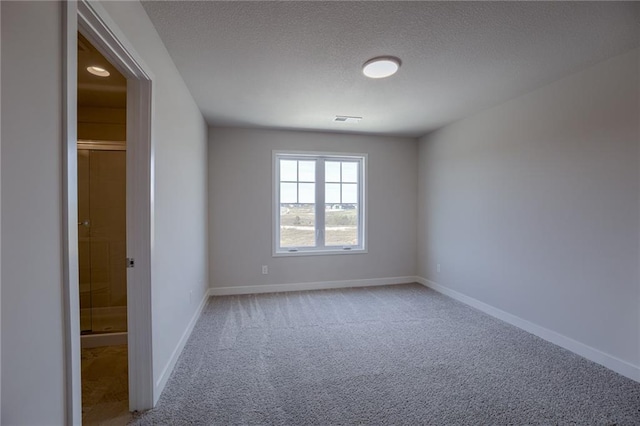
(32, 305)
(105, 124)
(33, 373)
(532, 207)
(240, 209)
(179, 256)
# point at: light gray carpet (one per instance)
(395, 355)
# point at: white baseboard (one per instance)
(321, 285)
(611, 362)
(168, 368)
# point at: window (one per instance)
(319, 203)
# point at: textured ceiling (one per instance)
(296, 65)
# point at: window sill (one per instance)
(318, 252)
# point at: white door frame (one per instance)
(96, 25)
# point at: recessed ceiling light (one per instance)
(381, 67)
(99, 71)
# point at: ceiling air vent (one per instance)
(346, 119)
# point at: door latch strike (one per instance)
(130, 262)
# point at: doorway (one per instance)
(91, 20)
(102, 236)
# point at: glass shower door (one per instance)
(84, 246)
(102, 240)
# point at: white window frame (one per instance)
(320, 249)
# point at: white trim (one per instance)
(173, 359)
(70, 271)
(97, 26)
(104, 339)
(320, 252)
(321, 285)
(140, 225)
(611, 362)
(94, 22)
(320, 248)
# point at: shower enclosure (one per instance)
(102, 238)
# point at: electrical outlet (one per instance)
(438, 268)
(265, 269)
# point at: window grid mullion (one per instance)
(320, 204)
(278, 191)
(298, 182)
(360, 187)
(340, 184)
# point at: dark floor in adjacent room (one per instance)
(381, 355)
(105, 386)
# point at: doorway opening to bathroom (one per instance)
(90, 20)
(102, 235)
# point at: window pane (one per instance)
(307, 193)
(332, 193)
(288, 193)
(349, 172)
(307, 171)
(288, 170)
(341, 225)
(299, 191)
(332, 171)
(350, 193)
(297, 226)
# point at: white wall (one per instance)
(33, 369)
(179, 259)
(533, 207)
(33, 375)
(240, 188)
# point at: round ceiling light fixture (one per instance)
(99, 71)
(381, 67)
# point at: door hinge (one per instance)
(130, 262)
